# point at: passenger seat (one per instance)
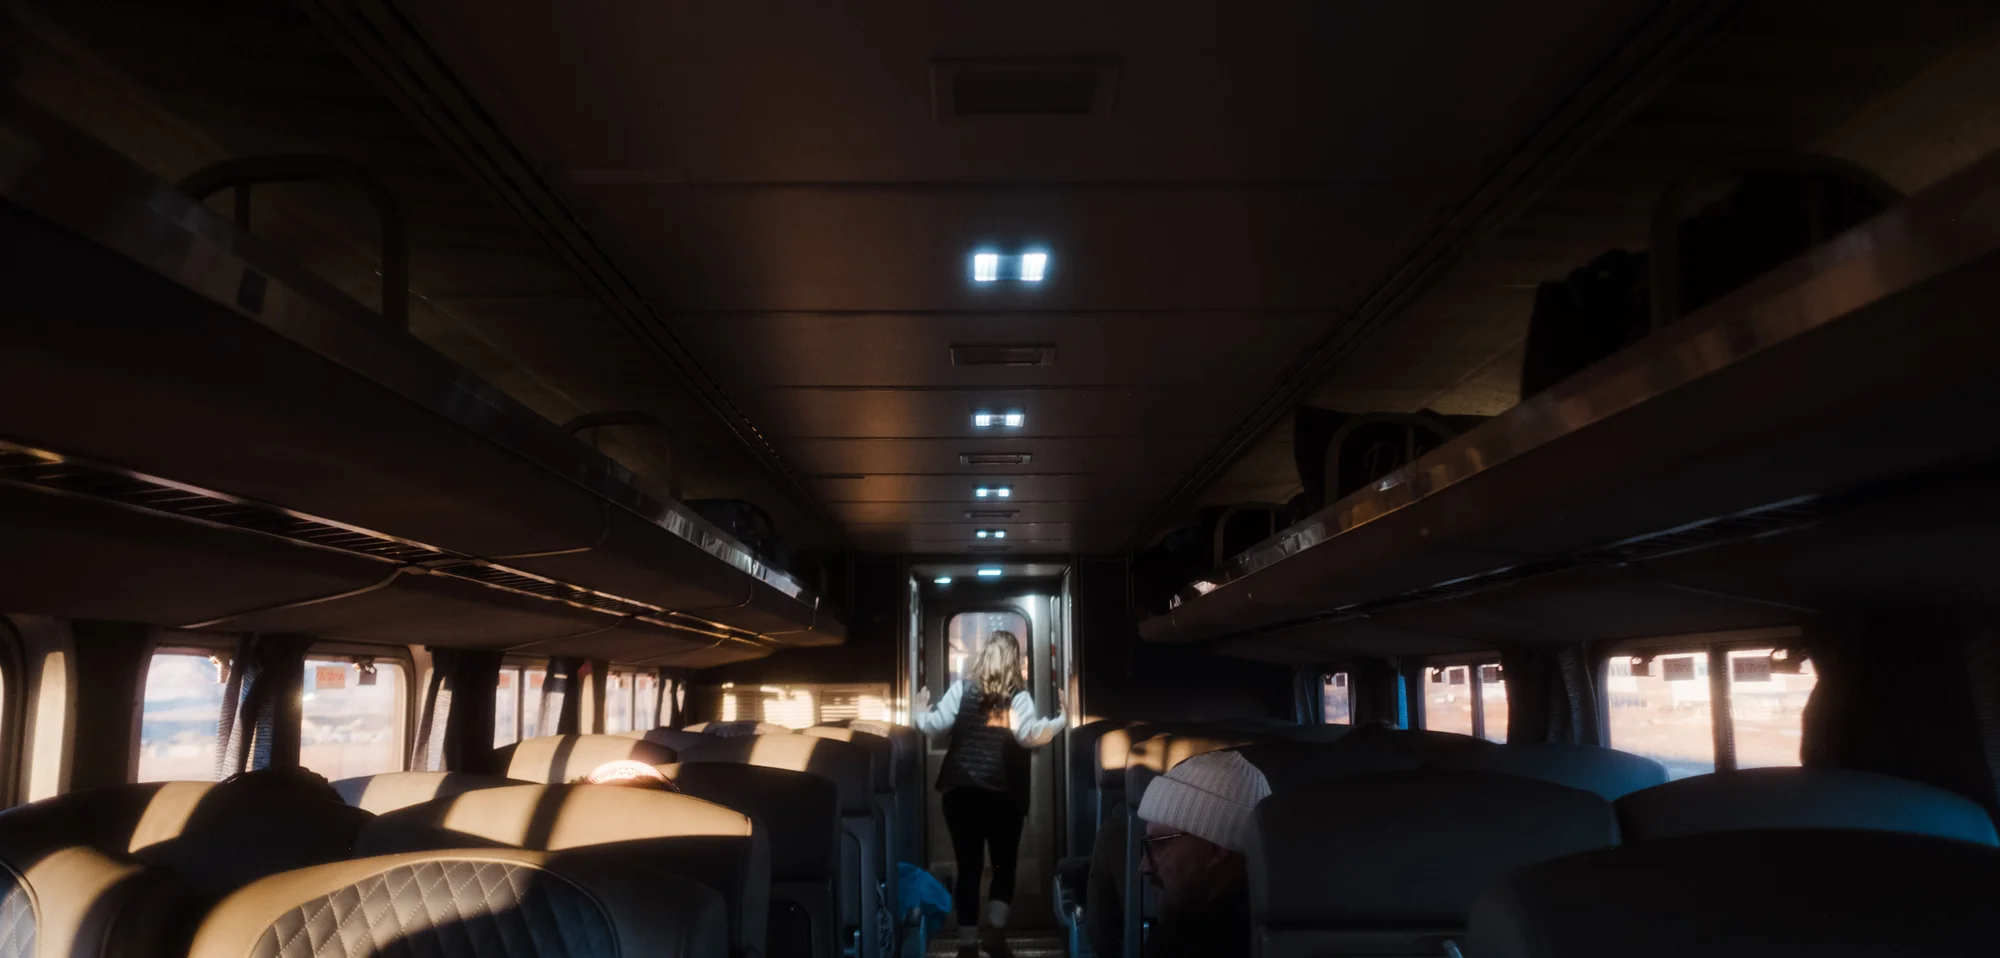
(738, 729)
(1390, 864)
(909, 783)
(1761, 798)
(215, 838)
(74, 901)
(658, 831)
(389, 791)
(1605, 772)
(558, 759)
(468, 904)
(799, 815)
(1751, 894)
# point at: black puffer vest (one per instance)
(983, 756)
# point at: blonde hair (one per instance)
(997, 671)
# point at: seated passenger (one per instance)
(1198, 828)
(629, 774)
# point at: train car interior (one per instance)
(786, 479)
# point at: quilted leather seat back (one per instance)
(463, 904)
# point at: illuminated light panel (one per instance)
(1034, 266)
(942, 580)
(989, 573)
(990, 534)
(985, 267)
(1012, 419)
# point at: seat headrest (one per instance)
(798, 811)
(555, 818)
(555, 759)
(1425, 744)
(1605, 772)
(1801, 798)
(673, 738)
(738, 729)
(219, 838)
(843, 763)
(1313, 733)
(909, 742)
(1288, 765)
(1409, 848)
(457, 904)
(74, 900)
(393, 790)
(1777, 894)
(881, 752)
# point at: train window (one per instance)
(1448, 699)
(178, 715)
(507, 707)
(646, 700)
(352, 716)
(1660, 709)
(1336, 699)
(1492, 701)
(967, 631)
(1767, 699)
(802, 706)
(517, 702)
(618, 701)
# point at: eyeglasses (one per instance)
(1147, 844)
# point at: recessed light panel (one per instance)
(990, 534)
(942, 580)
(1034, 266)
(985, 267)
(989, 573)
(987, 419)
(993, 492)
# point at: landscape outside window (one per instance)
(350, 728)
(177, 717)
(1664, 715)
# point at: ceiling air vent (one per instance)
(1003, 355)
(992, 513)
(1022, 87)
(994, 458)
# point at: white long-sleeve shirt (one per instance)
(1030, 731)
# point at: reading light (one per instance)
(942, 580)
(985, 267)
(989, 573)
(1033, 267)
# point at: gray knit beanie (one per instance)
(1208, 796)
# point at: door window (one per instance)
(967, 632)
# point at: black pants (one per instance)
(982, 821)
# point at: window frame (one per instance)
(169, 642)
(523, 664)
(1474, 664)
(415, 686)
(1717, 646)
(13, 710)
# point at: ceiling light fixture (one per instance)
(1034, 266)
(985, 267)
(942, 580)
(989, 573)
(993, 492)
(1012, 419)
(990, 534)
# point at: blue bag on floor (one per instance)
(923, 902)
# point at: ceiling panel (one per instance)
(1160, 411)
(775, 178)
(1114, 348)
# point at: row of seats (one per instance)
(258, 868)
(1378, 841)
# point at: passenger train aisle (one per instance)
(1301, 479)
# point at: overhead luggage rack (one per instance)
(161, 364)
(1818, 437)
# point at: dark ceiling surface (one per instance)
(778, 180)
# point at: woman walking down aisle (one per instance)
(992, 722)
